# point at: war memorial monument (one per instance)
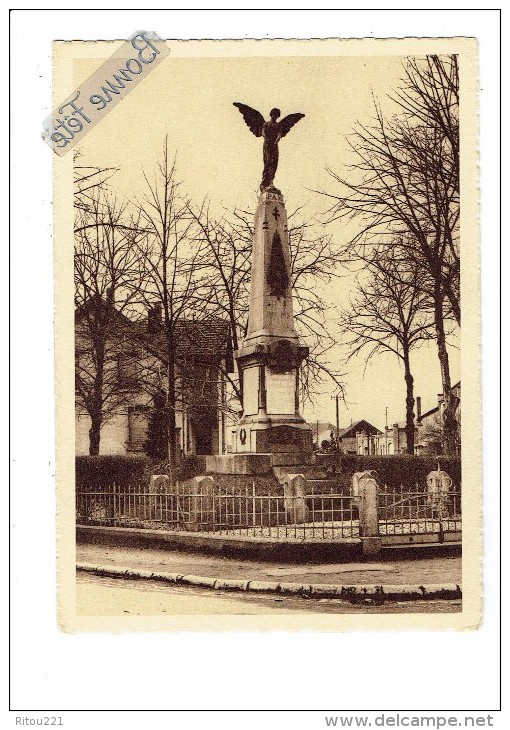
(271, 430)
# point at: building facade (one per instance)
(429, 425)
(427, 432)
(125, 360)
(358, 438)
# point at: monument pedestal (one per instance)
(271, 354)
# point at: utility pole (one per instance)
(386, 433)
(337, 439)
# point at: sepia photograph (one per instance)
(255, 368)
(259, 352)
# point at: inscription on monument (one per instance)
(285, 435)
(280, 392)
(251, 391)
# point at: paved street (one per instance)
(386, 568)
(117, 597)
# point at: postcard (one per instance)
(264, 251)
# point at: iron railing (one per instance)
(403, 511)
(243, 512)
(318, 516)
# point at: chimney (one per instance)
(418, 409)
(396, 439)
(154, 317)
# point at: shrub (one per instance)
(395, 470)
(156, 445)
(99, 472)
(191, 466)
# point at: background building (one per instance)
(133, 365)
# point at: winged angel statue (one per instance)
(272, 131)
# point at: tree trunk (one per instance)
(454, 303)
(235, 346)
(95, 433)
(449, 422)
(241, 386)
(409, 404)
(170, 415)
(96, 409)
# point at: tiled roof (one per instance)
(205, 339)
(323, 426)
(436, 408)
(429, 413)
(358, 426)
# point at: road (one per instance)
(115, 597)
(385, 568)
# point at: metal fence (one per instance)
(404, 511)
(401, 511)
(318, 516)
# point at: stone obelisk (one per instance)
(270, 356)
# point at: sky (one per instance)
(191, 99)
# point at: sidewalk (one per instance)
(429, 576)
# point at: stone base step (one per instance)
(309, 472)
(293, 459)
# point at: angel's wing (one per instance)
(252, 117)
(288, 122)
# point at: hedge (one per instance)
(98, 472)
(394, 470)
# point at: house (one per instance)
(429, 425)
(393, 440)
(358, 438)
(128, 354)
(427, 432)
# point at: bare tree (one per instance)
(172, 259)
(226, 277)
(228, 242)
(404, 185)
(431, 95)
(88, 180)
(388, 314)
(106, 263)
(315, 261)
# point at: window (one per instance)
(127, 369)
(138, 423)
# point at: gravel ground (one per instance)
(335, 530)
(313, 530)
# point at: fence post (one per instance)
(438, 489)
(114, 504)
(294, 492)
(159, 484)
(202, 514)
(368, 516)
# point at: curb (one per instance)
(258, 548)
(352, 593)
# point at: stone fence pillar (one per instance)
(202, 513)
(368, 515)
(438, 492)
(159, 485)
(294, 491)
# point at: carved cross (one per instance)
(276, 213)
